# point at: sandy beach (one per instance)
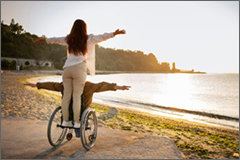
(194, 140)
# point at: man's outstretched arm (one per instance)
(104, 86)
(89, 87)
(53, 86)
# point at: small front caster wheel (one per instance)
(69, 136)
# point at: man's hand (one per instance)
(122, 87)
(31, 85)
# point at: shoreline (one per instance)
(194, 140)
(173, 115)
(98, 72)
(181, 131)
(193, 116)
(34, 80)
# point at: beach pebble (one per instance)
(97, 114)
(113, 111)
(183, 156)
(196, 129)
(236, 155)
(193, 156)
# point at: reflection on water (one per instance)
(177, 92)
(214, 93)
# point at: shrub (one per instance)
(13, 64)
(5, 63)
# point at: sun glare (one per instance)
(177, 92)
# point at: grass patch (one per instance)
(186, 136)
(224, 141)
(110, 125)
(99, 108)
(127, 128)
(203, 153)
(55, 96)
(24, 80)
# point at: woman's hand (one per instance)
(40, 40)
(119, 32)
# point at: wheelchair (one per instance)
(87, 131)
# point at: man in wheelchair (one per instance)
(88, 91)
(88, 137)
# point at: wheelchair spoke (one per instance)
(55, 132)
(89, 131)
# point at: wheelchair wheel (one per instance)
(88, 128)
(55, 131)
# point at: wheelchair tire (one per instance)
(55, 132)
(88, 129)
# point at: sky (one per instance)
(199, 35)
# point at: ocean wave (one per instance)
(172, 109)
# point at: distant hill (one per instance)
(125, 60)
(18, 43)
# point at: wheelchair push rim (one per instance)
(88, 130)
(55, 132)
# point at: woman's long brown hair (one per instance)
(77, 39)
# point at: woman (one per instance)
(81, 55)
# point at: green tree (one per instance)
(19, 44)
(43, 36)
(16, 28)
(165, 67)
(5, 64)
(13, 64)
(19, 29)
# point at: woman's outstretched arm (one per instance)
(56, 40)
(103, 37)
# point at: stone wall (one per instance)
(32, 62)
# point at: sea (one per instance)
(211, 98)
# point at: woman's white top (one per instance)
(90, 54)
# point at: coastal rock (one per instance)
(113, 111)
(100, 123)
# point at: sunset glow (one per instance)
(198, 35)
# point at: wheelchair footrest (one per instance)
(64, 126)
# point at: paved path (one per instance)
(23, 138)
